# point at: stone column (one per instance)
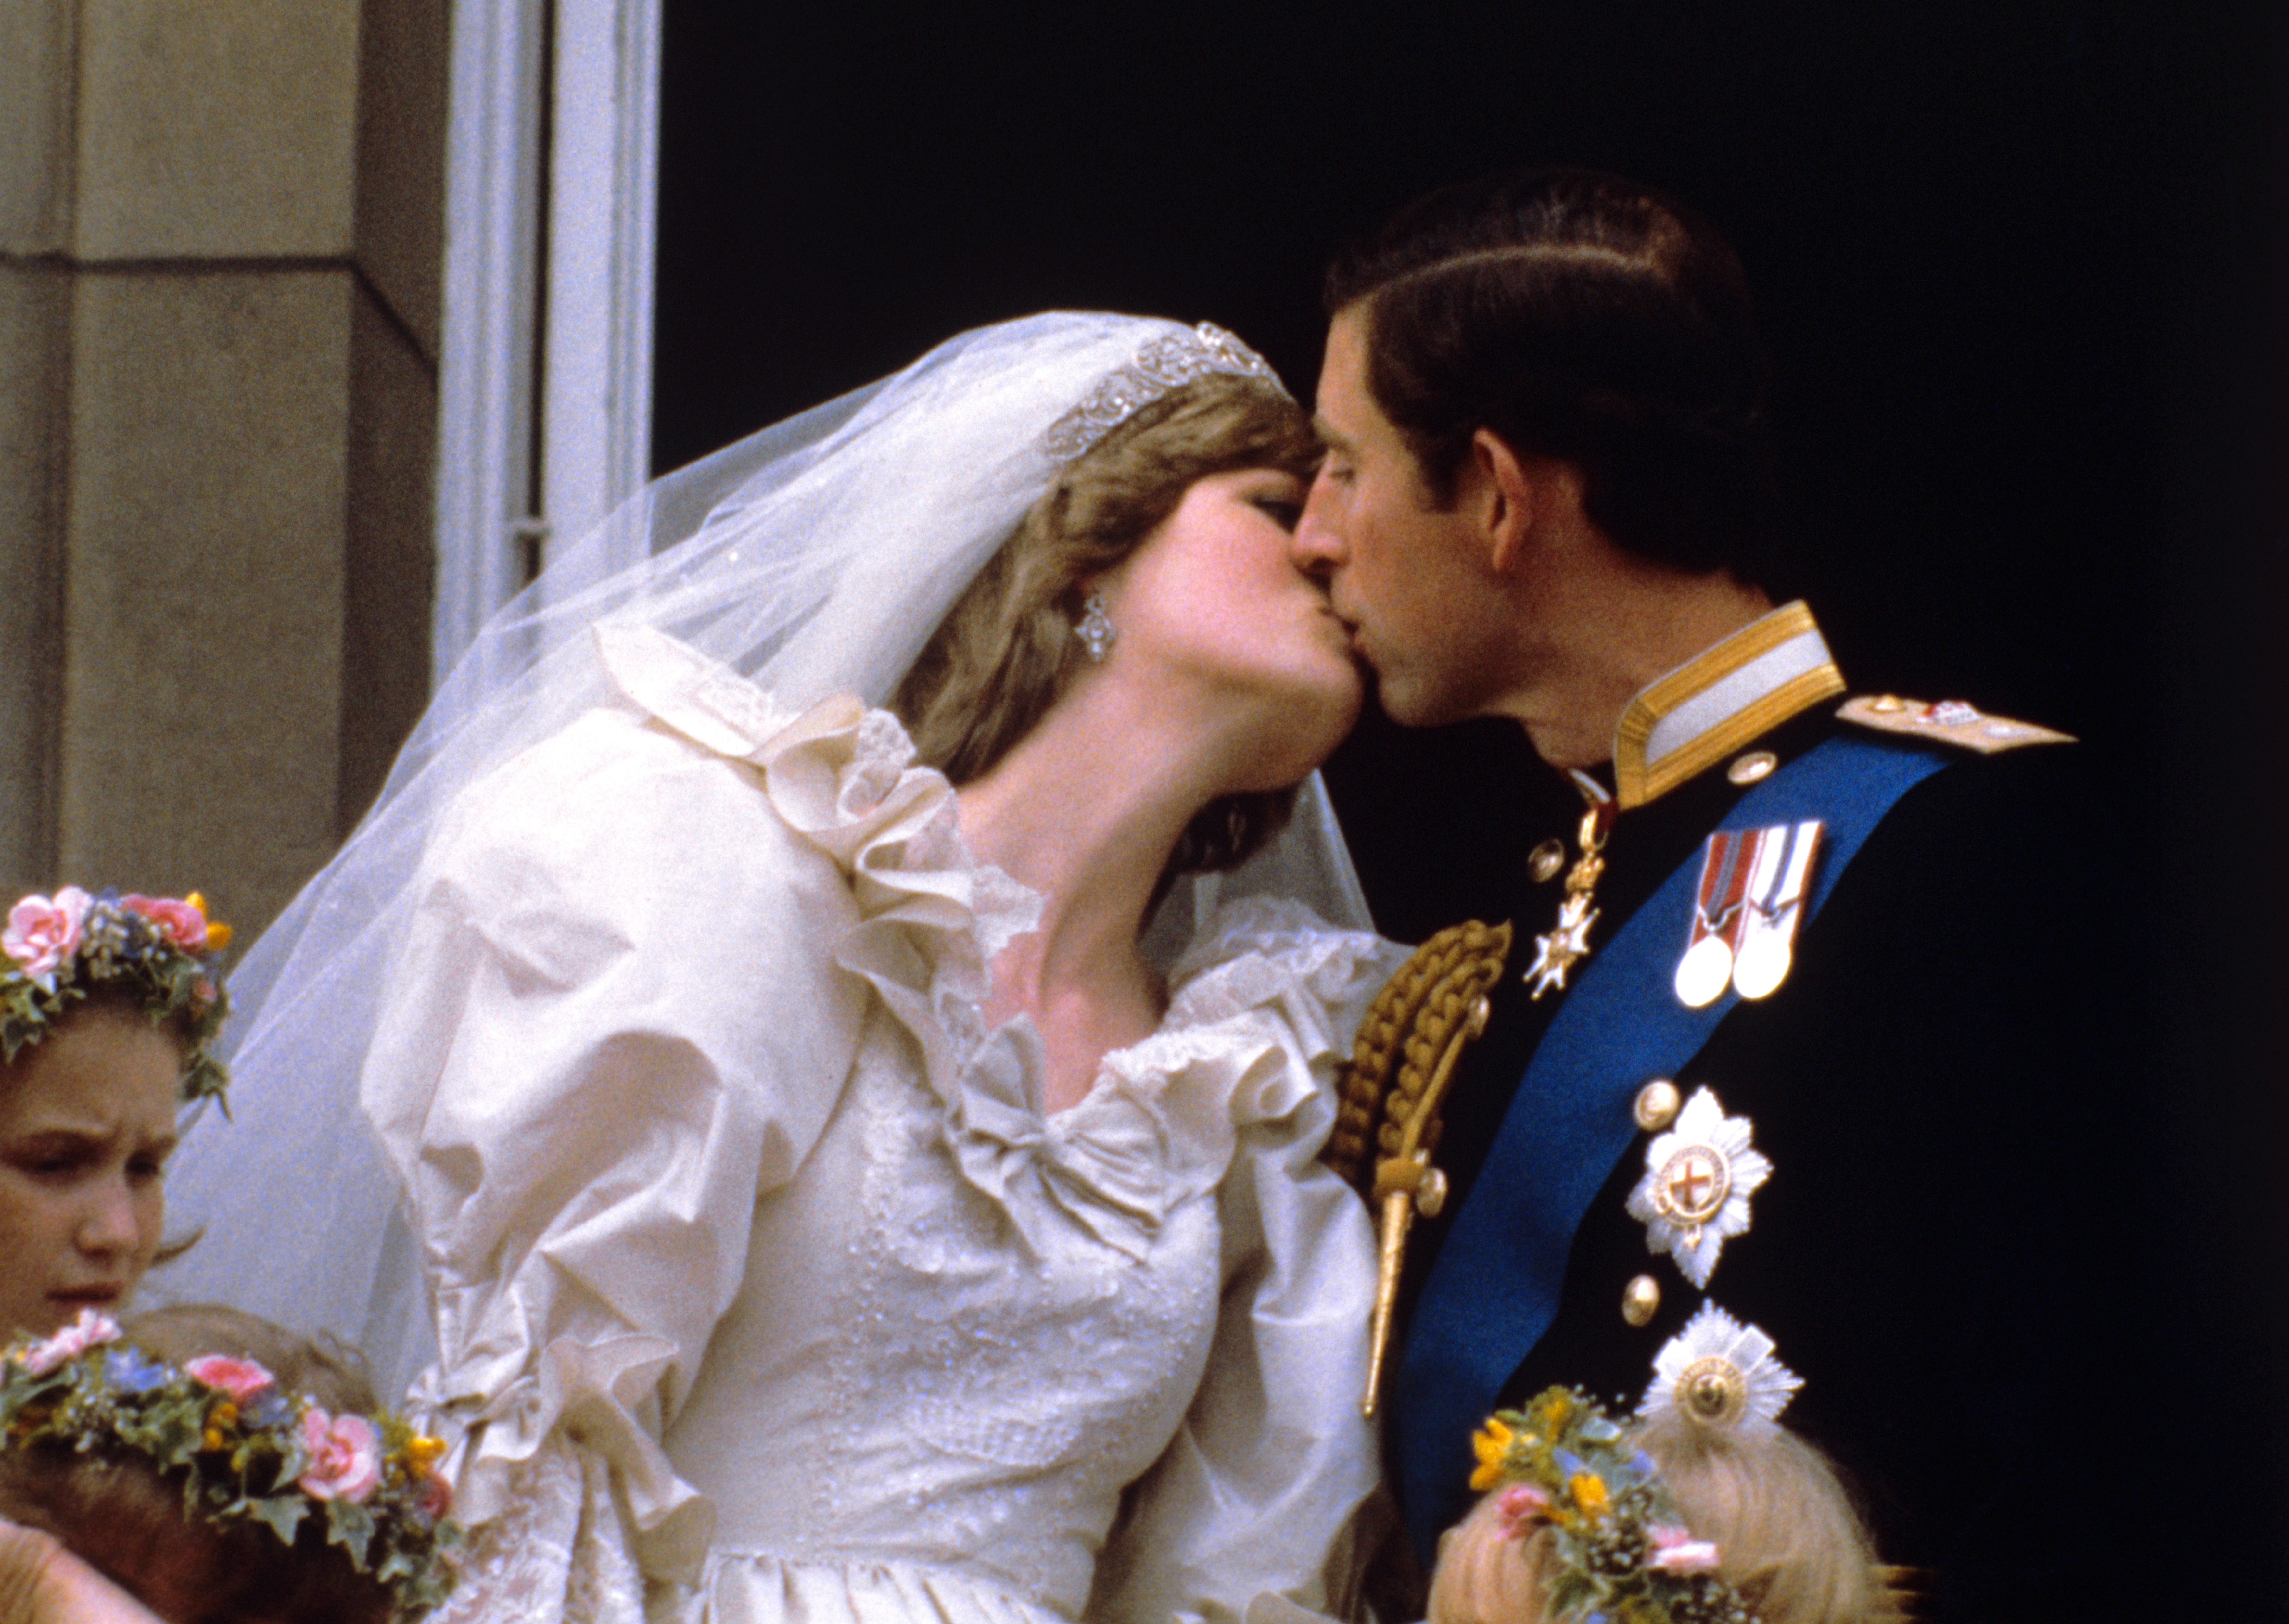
(218, 251)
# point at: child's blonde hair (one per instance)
(1788, 1538)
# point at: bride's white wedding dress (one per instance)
(764, 1284)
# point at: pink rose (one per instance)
(92, 1329)
(344, 1456)
(43, 932)
(180, 923)
(1675, 1550)
(1522, 1507)
(242, 1379)
(435, 1497)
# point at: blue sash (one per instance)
(1495, 1287)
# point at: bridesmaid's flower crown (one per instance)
(241, 1448)
(163, 951)
(1620, 1548)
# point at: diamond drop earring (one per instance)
(1095, 628)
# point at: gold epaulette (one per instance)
(1951, 722)
(1414, 1031)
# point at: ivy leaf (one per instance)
(351, 1527)
(282, 1513)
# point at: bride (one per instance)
(859, 1171)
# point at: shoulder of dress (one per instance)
(706, 701)
(1947, 722)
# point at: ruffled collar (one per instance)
(1248, 1035)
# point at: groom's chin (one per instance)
(1411, 701)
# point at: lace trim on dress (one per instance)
(550, 1557)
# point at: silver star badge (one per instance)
(1695, 1194)
(1720, 1372)
(1558, 951)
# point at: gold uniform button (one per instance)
(1753, 767)
(1640, 1301)
(1656, 1105)
(1545, 860)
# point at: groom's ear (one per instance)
(1504, 498)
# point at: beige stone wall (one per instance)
(219, 253)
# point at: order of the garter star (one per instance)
(1698, 1178)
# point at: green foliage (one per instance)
(281, 1514)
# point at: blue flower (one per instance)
(267, 1408)
(129, 1370)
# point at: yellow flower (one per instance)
(223, 1414)
(212, 1440)
(422, 1452)
(1589, 1491)
(1490, 1443)
(217, 933)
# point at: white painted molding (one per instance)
(484, 368)
(604, 165)
(579, 393)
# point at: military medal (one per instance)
(1707, 967)
(1556, 951)
(1720, 1372)
(1698, 1179)
(1775, 906)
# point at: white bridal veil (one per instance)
(815, 557)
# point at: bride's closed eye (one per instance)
(1286, 511)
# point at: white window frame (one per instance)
(545, 370)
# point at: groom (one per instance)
(1799, 1084)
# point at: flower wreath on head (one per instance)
(1621, 1550)
(243, 1448)
(163, 950)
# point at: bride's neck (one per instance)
(1086, 809)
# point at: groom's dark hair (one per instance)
(1585, 317)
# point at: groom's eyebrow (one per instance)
(1329, 435)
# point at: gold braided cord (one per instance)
(1412, 1023)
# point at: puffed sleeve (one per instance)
(616, 1022)
(1272, 1477)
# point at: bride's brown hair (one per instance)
(1006, 648)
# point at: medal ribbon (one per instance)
(1784, 883)
(1723, 880)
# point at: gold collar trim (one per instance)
(1718, 700)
